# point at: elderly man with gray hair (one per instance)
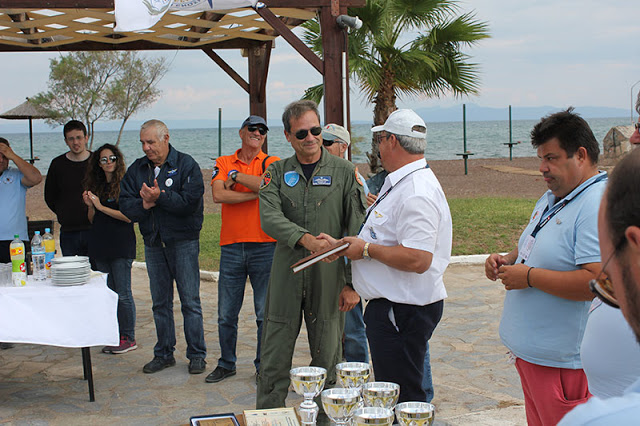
(400, 255)
(162, 191)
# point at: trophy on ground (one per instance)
(380, 394)
(308, 382)
(415, 413)
(340, 403)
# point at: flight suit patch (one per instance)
(266, 179)
(321, 181)
(291, 178)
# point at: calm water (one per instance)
(484, 138)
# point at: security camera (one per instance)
(346, 21)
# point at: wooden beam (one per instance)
(258, 63)
(333, 44)
(108, 4)
(227, 68)
(291, 38)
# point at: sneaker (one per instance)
(219, 374)
(125, 345)
(158, 364)
(197, 366)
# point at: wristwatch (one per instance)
(365, 252)
(233, 175)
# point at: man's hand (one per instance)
(348, 299)
(514, 277)
(229, 184)
(85, 198)
(150, 195)
(355, 249)
(313, 244)
(7, 152)
(492, 265)
(371, 198)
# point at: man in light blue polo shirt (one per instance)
(619, 232)
(546, 276)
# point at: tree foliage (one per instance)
(409, 48)
(90, 86)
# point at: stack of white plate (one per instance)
(70, 270)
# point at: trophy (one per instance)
(340, 403)
(415, 413)
(380, 394)
(377, 416)
(308, 382)
(353, 374)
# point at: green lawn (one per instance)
(480, 225)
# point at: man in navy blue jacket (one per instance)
(163, 193)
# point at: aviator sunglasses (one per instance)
(315, 131)
(637, 125)
(109, 159)
(602, 286)
(261, 129)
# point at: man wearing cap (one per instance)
(300, 197)
(336, 140)
(245, 249)
(400, 255)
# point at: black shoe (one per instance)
(219, 374)
(158, 364)
(4, 345)
(197, 366)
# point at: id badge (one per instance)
(527, 247)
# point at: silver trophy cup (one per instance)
(308, 382)
(415, 413)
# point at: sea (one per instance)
(485, 139)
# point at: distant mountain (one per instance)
(480, 113)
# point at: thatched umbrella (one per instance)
(26, 111)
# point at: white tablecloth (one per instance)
(68, 316)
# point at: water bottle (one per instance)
(37, 256)
(49, 250)
(18, 267)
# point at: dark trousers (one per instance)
(398, 336)
(5, 256)
(74, 243)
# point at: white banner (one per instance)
(136, 15)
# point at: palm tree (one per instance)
(406, 48)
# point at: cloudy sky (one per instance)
(542, 52)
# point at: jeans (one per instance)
(237, 261)
(74, 243)
(177, 261)
(355, 336)
(119, 280)
(427, 379)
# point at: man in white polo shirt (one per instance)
(400, 255)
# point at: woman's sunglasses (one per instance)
(109, 159)
(315, 131)
(261, 129)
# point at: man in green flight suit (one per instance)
(302, 196)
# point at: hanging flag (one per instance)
(137, 15)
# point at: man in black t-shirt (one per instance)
(63, 190)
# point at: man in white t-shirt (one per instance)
(400, 255)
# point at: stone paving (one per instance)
(42, 385)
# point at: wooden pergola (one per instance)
(76, 25)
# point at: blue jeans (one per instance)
(177, 261)
(427, 380)
(237, 261)
(355, 336)
(119, 280)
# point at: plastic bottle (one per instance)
(49, 250)
(18, 267)
(37, 256)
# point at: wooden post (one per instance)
(259, 58)
(333, 44)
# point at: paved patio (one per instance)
(42, 385)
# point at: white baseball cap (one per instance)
(332, 132)
(403, 122)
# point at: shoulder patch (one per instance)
(266, 179)
(358, 177)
